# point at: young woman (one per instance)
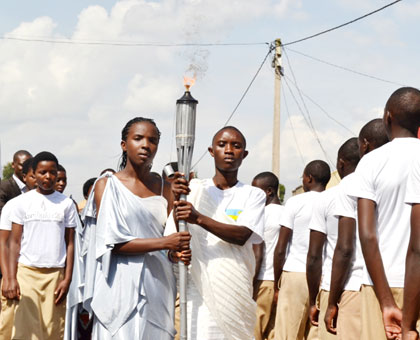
(133, 294)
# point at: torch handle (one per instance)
(182, 225)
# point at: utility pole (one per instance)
(278, 72)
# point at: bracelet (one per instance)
(169, 254)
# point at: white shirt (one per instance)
(412, 194)
(44, 219)
(22, 186)
(243, 203)
(273, 213)
(5, 222)
(346, 206)
(297, 215)
(382, 177)
(324, 221)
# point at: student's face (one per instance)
(306, 181)
(228, 150)
(46, 177)
(17, 165)
(142, 144)
(30, 179)
(61, 183)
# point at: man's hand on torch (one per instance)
(179, 185)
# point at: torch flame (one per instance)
(188, 82)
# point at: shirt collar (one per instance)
(21, 185)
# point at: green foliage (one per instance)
(282, 192)
(7, 170)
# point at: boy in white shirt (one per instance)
(41, 255)
(290, 256)
(264, 273)
(343, 312)
(384, 218)
(412, 277)
(323, 238)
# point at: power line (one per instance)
(124, 43)
(342, 25)
(345, 68)
(293, 129)
(242, 97)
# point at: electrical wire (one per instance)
(339, 26)
(271, 48)
(293, 129)
(344, 68)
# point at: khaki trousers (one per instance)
(7, 316)
(323, 305)
(266, 311)
(349, 323)
(292, 322)
(37, 317)
(372, 323)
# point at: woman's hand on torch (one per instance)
(179, 185)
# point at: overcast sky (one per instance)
(74, 99)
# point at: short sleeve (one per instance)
(318, 220)
(412, 194)
(17, 213)
(288, 217)
(364, 186)
(5, 222)
(70, 215)
(252, 216)
(345, 205)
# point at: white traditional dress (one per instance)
(219, 289)
(130, 296)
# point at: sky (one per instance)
(74, 99)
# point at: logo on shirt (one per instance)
(233, 213)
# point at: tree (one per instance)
(7, 171)
(282, 192)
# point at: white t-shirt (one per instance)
(44, 219)
(243, 203)
(412, 194)
(324, 221)
(346, 206)
(5, 222)
(382, 177)
(297, 215)
(272, 218)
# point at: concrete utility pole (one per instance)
(278, 71)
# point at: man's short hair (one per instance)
(43, 156)
(27, 165)
(349, 151)
(268, 179)
(87, 185)
(229, 127)
(319, 170)
(61, 168)
(404, 104)
(21, 153)
(374, 132)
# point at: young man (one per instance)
(61, 183)
(412, 270)
(384, 218)
(15, 185)
(8, 307)
(225, 218)
(290, 256)
(343, 313)
(41, 255)
(323, 237)
(264, 273)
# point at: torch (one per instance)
(185, 135)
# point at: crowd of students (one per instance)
(337, 263)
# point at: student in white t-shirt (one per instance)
(264, 253)
(343, 312)
(292, 320)
(225, 218)
(412, 277)
(41, 255)
(323, 238)
(384, 218)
